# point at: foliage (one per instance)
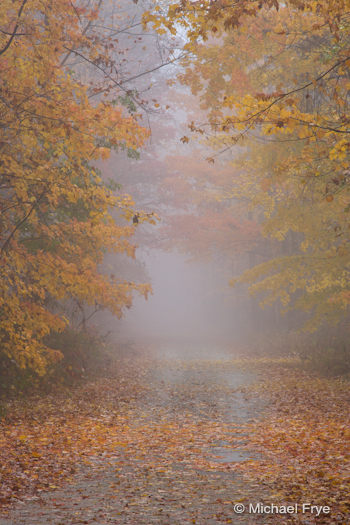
(325, 353)
(56, 222)
(280, 90)
(86, 353)
(329, 360)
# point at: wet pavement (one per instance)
(176, 466)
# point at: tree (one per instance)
(274, 78)
(56, 222)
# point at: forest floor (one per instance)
(178, 441)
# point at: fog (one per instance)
(187, 304)
(189, 269)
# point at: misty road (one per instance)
(175, 461)
(175, 262)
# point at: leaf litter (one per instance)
(175, 442)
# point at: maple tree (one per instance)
(280, 90)
(271, 77)
(187, 191)
(56, 210)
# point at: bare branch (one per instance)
(9, 42)
(296, 90)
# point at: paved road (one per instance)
(176, 467)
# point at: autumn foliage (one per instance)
(264, 192)
(58, 217)
(273, 79)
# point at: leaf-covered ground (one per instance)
(175, 442)
(304, 439)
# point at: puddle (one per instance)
(225, 453)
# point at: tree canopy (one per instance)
(273, 80)
(57, 219)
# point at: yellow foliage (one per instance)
(55, 222)
(275, 81)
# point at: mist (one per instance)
(187, 305)
(175, 262)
